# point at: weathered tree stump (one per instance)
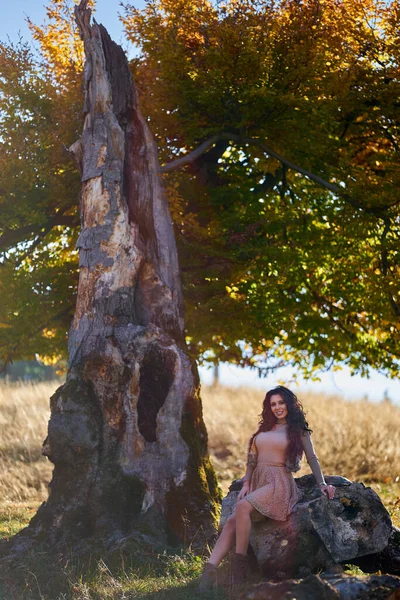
(321, 535)
(126, 433)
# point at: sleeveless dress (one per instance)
(273, 490)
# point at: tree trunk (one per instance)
(215, 381)
(126, 433)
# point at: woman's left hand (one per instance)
(244, 491)
(328, 490)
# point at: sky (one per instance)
(13, 23)
(338, 383)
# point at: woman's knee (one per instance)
(230, 523)
(243, 507)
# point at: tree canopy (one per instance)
(40, 116)
(277, 127)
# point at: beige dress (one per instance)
(273, 490)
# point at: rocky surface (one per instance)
(386, 561)
(320, 534)
(372, 587)
(314, 587)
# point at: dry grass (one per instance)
(358, 440)
(24, 412)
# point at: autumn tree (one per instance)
(287, 213)
(286, 217)
(277, 127)
(40, 117)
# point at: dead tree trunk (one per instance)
(126, 433)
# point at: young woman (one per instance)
(269, 489)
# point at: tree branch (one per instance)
(192, 156)
(233, 137)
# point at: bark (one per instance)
(126, 433)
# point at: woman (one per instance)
(269, 489)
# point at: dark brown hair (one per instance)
(296, 421)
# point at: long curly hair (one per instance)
(296, 421)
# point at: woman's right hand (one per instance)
(244, 491)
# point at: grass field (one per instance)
(358, 440)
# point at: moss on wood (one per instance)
(200, 487)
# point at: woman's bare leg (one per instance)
(243, 525)
(225, 542)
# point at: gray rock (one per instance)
(310, 588)
(354, 524)
(314, 587)
(387, 561)
(373, 587)
(320, 533)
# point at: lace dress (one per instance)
(273, 490)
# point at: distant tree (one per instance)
(29, 370)
(285, 118)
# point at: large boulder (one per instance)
(387, 561)
(320, 534)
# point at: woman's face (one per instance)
(278, 407)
